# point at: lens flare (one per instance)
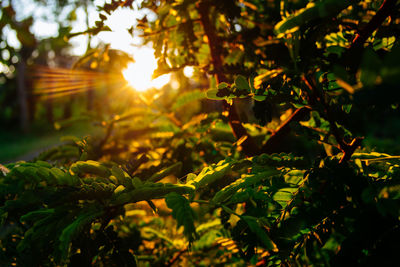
(59, 82)
(138, 74)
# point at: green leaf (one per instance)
(90, 166)
(149, 191)
(334, 242)
(173, 169)
(334, 49)
(188, 97)
(136, 182)
(37, 233)
(207, 240)
(259, 97)
(208, 225)
(43, 164)
(268, 75)
(212, 173)
(279, 160)
(284, 195)
(347, 108)
(242, 196)
(183, 214)
(36, 215)
(317, 10)
(158, 234)
(64, 178)
(251, 83)
(246, 181)
(241, 83)
(212, 94)
(72, 230)
(222, 85)
(122, 177)
(260, 233)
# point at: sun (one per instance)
(138, 74)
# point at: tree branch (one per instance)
(315, 97)
(352, 57)
(176, 257)
(165, 29)
(249, 146)
(273, 143)
(384, 11)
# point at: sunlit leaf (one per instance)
(187, 98)
(212, 94)
(312, 11)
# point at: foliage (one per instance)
(306, 193)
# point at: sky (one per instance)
(43, 27)
(138, 74)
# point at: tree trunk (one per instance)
(22, 96)
(49, 110)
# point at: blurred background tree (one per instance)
(22, 48)
(33, 36)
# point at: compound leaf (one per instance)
(183, 214)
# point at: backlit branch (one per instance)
(384, 11)
(249, 146)
(315, 97)
(276, 139)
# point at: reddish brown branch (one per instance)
(350, 148)
(315, 96)
(276, 139)
(166, 29)
(384, 11)
(249, 146)
(176, 257)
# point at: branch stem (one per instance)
(385, 10)
(249, 146)
(316, 97)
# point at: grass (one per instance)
(19, 146)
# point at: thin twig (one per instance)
(110, 128)
(176, 257)
(164, 29)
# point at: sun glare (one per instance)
(138, 74)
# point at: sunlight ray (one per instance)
(57, 82)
